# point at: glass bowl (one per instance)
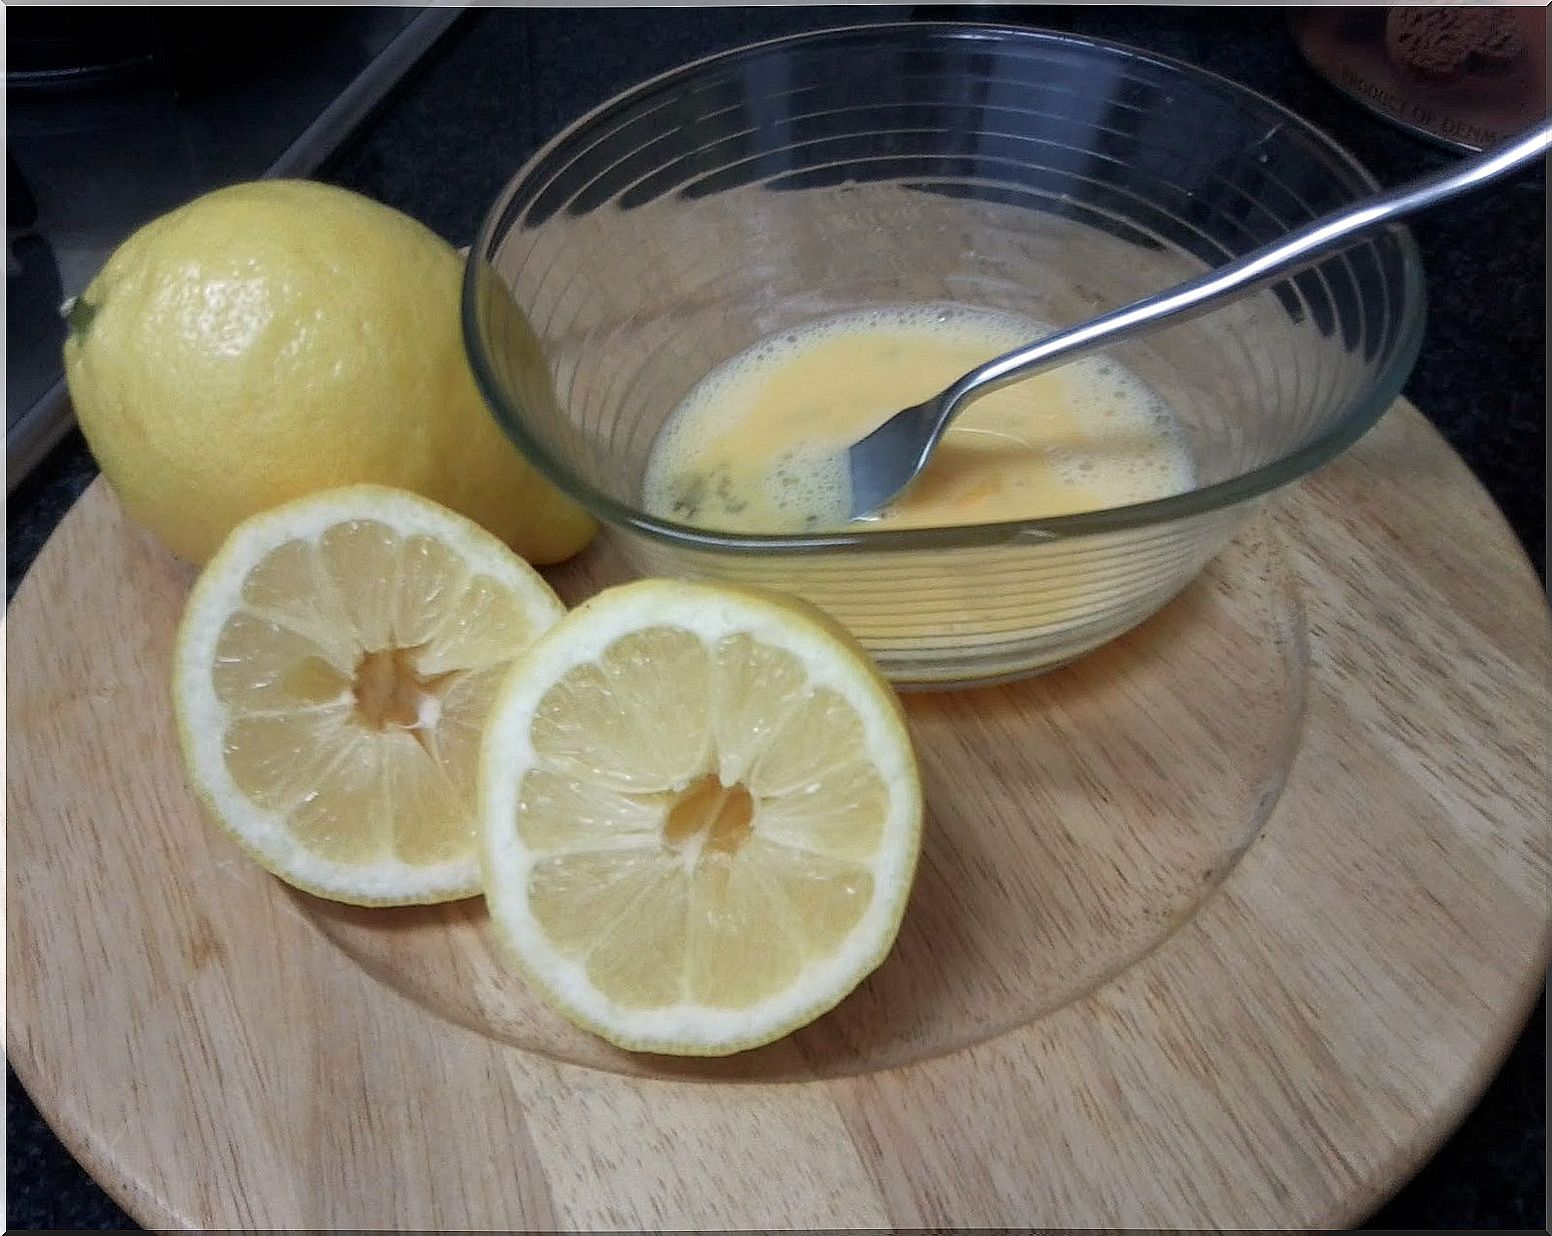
(1013, 170)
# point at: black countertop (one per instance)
(505, 80)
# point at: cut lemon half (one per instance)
(333, 672)
(700, 816)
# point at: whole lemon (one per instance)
(275, 338)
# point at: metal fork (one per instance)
(884, 462)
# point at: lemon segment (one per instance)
(700, 816)
(334, 669)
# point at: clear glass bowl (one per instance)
(1006, 169)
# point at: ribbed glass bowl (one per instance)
(1033, 173)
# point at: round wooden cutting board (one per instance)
(1225, 925)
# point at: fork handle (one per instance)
(1299, 249)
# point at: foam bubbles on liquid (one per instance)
(1138, 445)
(810, 486)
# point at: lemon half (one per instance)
(333, 672)
(700, 816)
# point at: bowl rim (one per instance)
(1366, 408)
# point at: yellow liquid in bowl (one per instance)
(759, 445)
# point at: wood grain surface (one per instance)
(1224, 926)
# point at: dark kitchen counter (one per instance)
(504, 80)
